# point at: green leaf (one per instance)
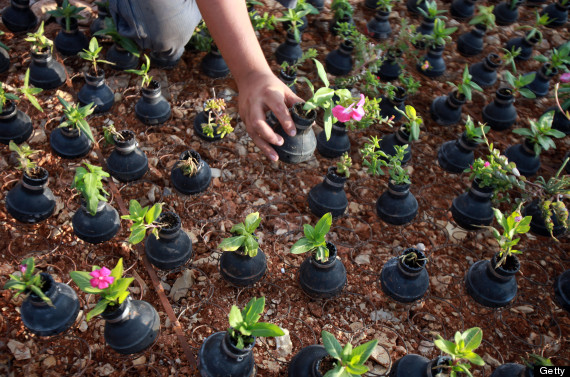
(356, 369)
(472, 338)
(324, 225)
(98, 309)
(232, 243)
(137, 235)
(364, 351)
(252, 221)
(332, 345)
(266, 329)
(252, 311)
(235, 318)
(309, 232)
(135, 209)
(302, 246)
(475, 359)
(153, 213)
(322, 73)
(338, 371)
(82, 279)
(117, 271)
(527, 93)
(445, 345)
(239, 229)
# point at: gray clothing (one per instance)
(163, 26)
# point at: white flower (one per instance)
(516, 172)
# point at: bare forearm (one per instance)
(229, 24)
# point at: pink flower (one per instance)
(101, 278)
(518, 218)
(345, 114)
(425, 66)
(487, 163)
(565, 77)
(23, 268)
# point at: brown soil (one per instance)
(248, 182)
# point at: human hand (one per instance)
(263, 91)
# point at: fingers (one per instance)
(260, 128)
(265, 148)
(276, 104)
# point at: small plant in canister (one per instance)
(70, 40)
(96, 221)
(396, 206)
(152, 108)
(408, 132)
(472, 43)
(538, 137)
(346, 361)
(290, 50)
(329, 195)
(243, 263)
(446, 110)
(30, 201)
(45, 72)
(545, 205)
(432, 64)
(73, 137)
(458, 351)
(288, 72)
(457, 155)
(321, 275)
(49, 307)
(379, 27)
(213, 123)
(493, 283)
(131, 326)
(558, 60)
(167, 247)
(15, 125)
(95, 90)
(514, 369)
(533, 37)
(561, 120)
(28, 282)
(191, 175)
(127, 162)
(456, 364)
(124, 52)
(492, 177)
(229, 353)
(405, 278)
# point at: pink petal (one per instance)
(94, 282)
(95, 273)
(23, 268)
(361, 102)
(108, 279)
(340, 113)
(105, 271)
(565, 77)
(103, 284)
(358, 114)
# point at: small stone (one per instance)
(216, 173)
(118, 97)
(38, 137)
(83, 326)
(362, 259)
(140, 361)
(241, 150)
(105, 370)
(523, 309)
(283, 344)
(181, 285)
(177, 113)
(491, 361)
(421, 247)
(49, 362)
(380, 356)
(19, 350)
(65, 95)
